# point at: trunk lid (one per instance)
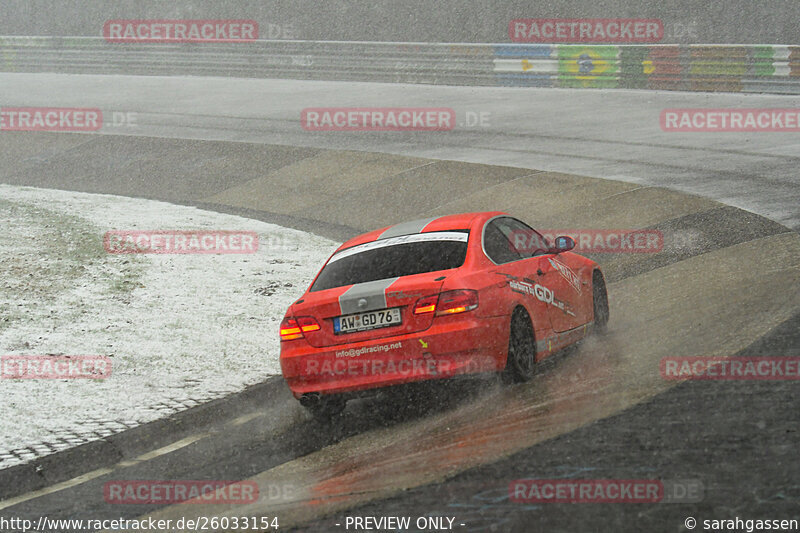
(402, 293)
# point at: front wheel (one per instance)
(600, 302)
(521, 359)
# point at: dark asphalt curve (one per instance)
(306, 471)
(582, 406)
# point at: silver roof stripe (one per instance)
(373, 292)
(406, 228)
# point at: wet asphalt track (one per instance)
(598, 412)
(606, 134)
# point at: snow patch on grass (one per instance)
(180, 329)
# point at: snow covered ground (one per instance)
(180, 329)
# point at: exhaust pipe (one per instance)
(310, 399)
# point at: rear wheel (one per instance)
(323, 407)
(521, 359)
(600, 302)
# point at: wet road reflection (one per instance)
(672, 311)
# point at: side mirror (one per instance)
(563, 244)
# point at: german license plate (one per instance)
(368, 320)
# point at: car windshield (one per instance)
(394, 257)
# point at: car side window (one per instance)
(527, 241)
(497, 243)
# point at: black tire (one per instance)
(600, 302)
(521, 358)
(324, 408)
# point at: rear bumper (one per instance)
(452, 346)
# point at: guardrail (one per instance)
(741, 68)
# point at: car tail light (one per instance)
(426, 305)
(307, 323)
(453, 302)
(448, 303)
(293, 328)
(290, 329)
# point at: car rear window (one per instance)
(394, 257)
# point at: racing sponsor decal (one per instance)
(567, 273)
(539, 291)
(586, 30)
(180, 31)
(564, 306)
(459, 236)
(355, 352)
(712, 120)
(378, 119)
(730, 368)
(50, 119)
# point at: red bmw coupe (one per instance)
(437, 298)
